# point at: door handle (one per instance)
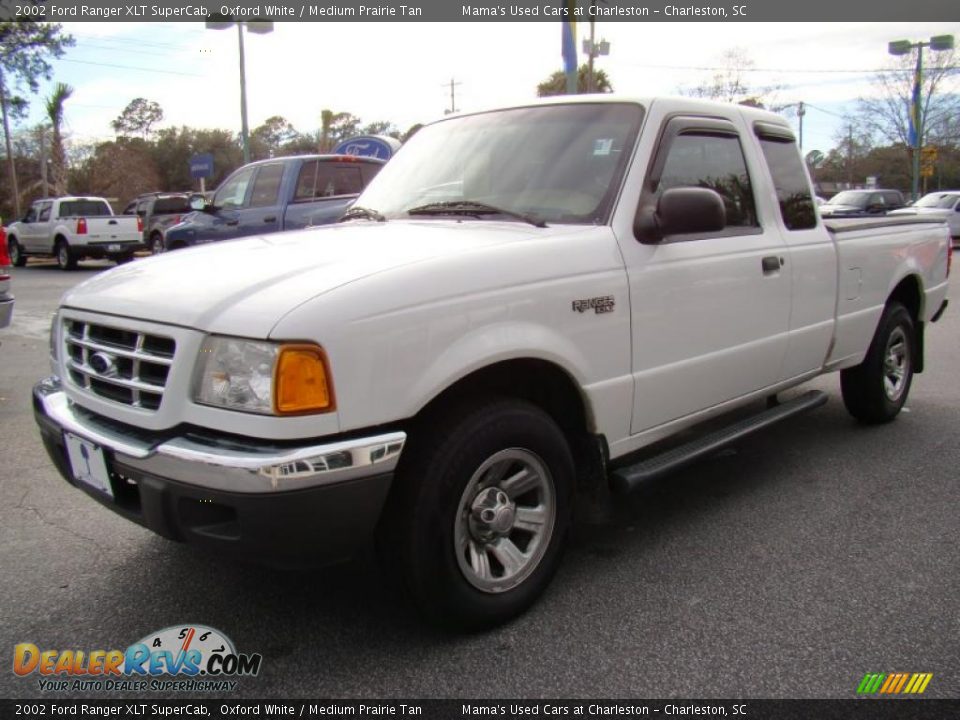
(232, 222)
(772, 264)
(272, 218)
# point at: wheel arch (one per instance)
(540, 382)
(909, 293)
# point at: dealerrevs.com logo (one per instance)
(177, 658)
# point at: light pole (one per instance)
(592, 49)
(904, 47)
(261, 27)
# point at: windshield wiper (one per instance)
(471, 207)
(361, 212)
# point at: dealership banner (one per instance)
(480, 10)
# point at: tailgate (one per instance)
(116, 229)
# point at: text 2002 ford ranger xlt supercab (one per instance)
(521, 301)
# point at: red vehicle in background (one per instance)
(6, 297)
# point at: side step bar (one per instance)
(625, 479)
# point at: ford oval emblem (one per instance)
(103, 364)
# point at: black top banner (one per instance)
(482, 10)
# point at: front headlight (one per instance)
(263, 377)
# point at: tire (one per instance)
(17, 256)
(475, 526)
(123, 259)
(156, 243)
(66, 260)
(875, 390)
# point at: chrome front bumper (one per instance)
(231, 464)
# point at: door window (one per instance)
(715, 162)
(44, 212)
(234, 192)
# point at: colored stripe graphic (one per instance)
(894, 683)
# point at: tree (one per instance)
(138, 117)
(729, 82)
(887, 112)
(25, 50)
(58, 158)
(556, 84)
(268, 140)
(336, 127)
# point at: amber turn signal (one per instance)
(301, 381)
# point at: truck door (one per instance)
(710, 311)
(811, 253)
(259, 210)
(247, 204)
(38, 232)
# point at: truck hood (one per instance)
(244, 287)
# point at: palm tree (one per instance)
(556, 84)
(58, 158)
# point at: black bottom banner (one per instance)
(865, 709)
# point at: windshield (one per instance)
(848, 197)
(556, 163)
(937, 200)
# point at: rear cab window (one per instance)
(84, 208)
(789, 177)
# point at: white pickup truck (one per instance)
(72, 228)
(517, 310)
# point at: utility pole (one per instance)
(801, 111)
(453, 97)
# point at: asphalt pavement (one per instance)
(787, 566)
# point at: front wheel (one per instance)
(475, 529)
(875, 390)
(17, 257)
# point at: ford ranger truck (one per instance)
(516, 310)
(74, 228)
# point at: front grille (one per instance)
(125, 366)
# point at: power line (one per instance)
(130, 67)
(862, 71)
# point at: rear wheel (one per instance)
(66, 260)
(156, 243)
(475, 528)
(123, 259)
(17, 256)
(875, 390)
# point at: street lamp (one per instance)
(904, 47)
(260, 27)
(592, 49)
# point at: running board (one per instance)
(625, 479)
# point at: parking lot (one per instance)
(787, 566)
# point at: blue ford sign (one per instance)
(376, 146)
(201, 166)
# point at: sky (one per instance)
(401, 72)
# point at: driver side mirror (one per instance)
(199, 202)
(681, 211)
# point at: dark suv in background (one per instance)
(854, 203)
(159, 211)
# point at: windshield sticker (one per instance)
(602, 146)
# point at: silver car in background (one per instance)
(943, 204)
